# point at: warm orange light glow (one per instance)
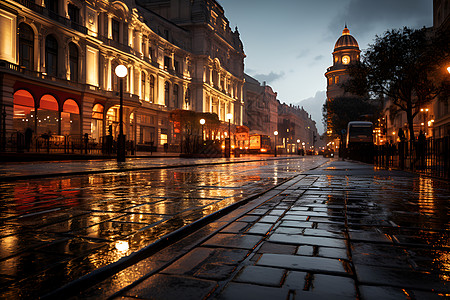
(448, 69)
(263, 150)
(122, 246)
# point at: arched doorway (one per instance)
(70, 118)
(97, 122)
(112, 121)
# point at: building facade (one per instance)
(58, 57)
(296, 129)
(265, 114)
(261, 107)
(439, 110)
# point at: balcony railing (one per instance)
(6, 65)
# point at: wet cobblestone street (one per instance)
(55, 230)
(343, 231)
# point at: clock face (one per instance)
(345, 59)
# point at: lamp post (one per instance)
(121, 71)
(275, 133)
(228, 148)
(202, 122)
(298, 142)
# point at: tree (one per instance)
(187, 124)
(339, 111)
(405, 66)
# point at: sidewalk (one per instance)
(342, 231)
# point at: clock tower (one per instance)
(346, 51)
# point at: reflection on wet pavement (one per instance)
(56, 230)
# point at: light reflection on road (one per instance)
(56, 230)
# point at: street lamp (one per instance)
(275, 133)
(448, 69)
(228, 148)
(202, 122)
(298, 142)
(121, 71)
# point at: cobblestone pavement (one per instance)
(76, 222)
(342, 231)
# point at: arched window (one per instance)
(23, 117)
(143, 77)
(175, 95)
(70, 118)
(166, 93)
(152, 89)
(48, 115)
(73, 62)
(51, 56)
(26, 46)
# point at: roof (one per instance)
(346, 41)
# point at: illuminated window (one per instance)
(97, 122)
(23, 117)
(48, 115)
(26, 46)
(70, 118)
(336, 79)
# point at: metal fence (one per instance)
(430, 157)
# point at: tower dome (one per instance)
(346, 41)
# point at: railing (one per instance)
(16, 68)
(430, 157)
(18, 142)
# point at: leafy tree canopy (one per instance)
(342, 110)
(406, 66)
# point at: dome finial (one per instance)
(345, 31)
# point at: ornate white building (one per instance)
(57, 62)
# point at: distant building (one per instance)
(261, 107)
(57, 62)
(265, 114)
(296, 128)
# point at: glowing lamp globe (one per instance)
(121, 71)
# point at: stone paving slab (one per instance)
(329, 233)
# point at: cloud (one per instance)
(365, 17)
(318, 57)
(269, 78)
